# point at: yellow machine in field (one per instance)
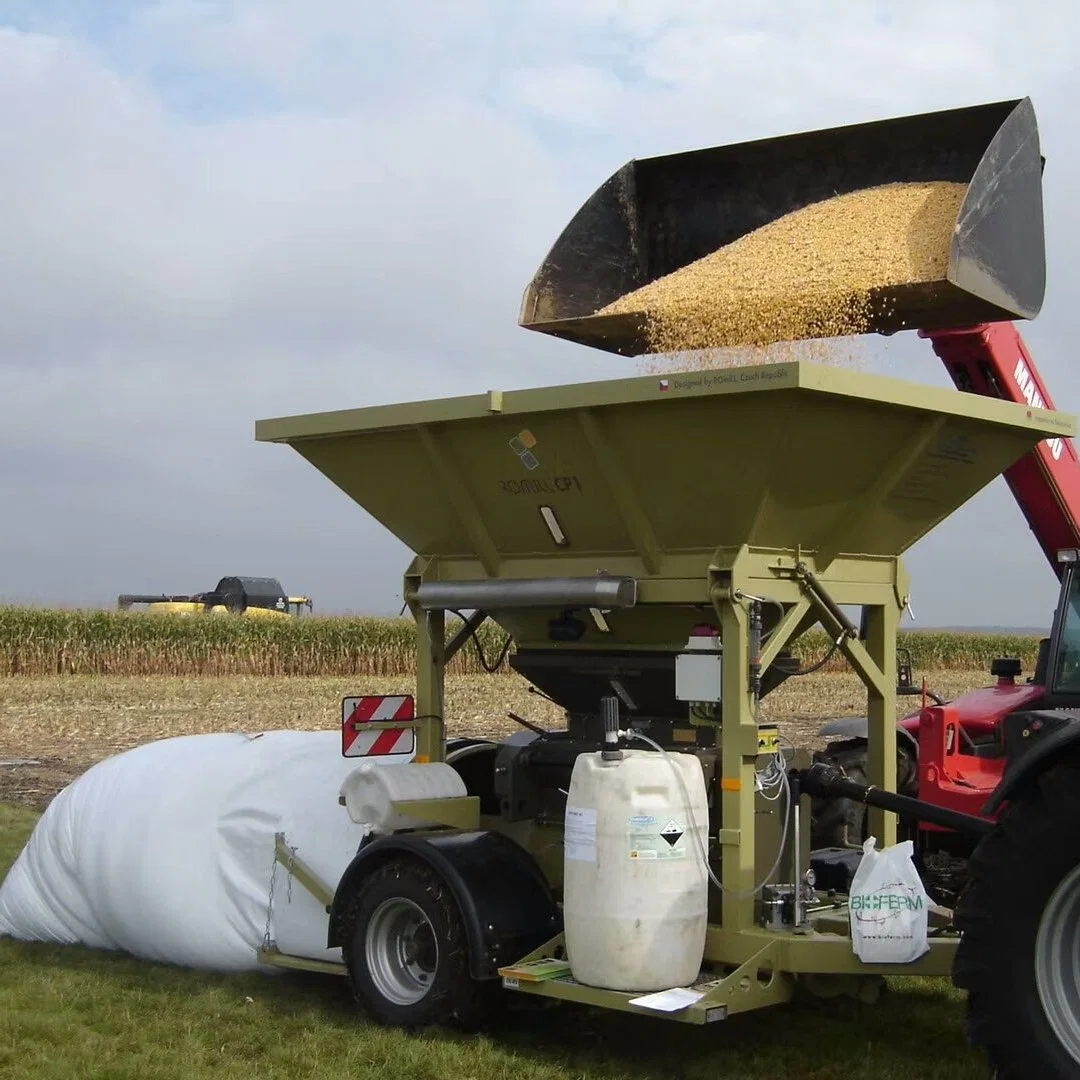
(253, 597)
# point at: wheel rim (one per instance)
(1057, 963)
(402, 952)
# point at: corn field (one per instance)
(52, 642)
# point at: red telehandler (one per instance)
(953, 753)
(1009, 754)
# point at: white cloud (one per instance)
(574, 95)
(217, 211)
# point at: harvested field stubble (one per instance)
(52, 728)
(822, 271)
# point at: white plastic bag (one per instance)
(889, 906)
(167, 851)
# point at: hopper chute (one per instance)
(656, 215)
(646, 477)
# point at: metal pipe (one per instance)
(509, 593)
(127, 599)
(609, 710)
(799, 906)
(755, 649)
(825, 600)
(828, 780)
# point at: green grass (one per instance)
(52, 642)
(68, 1013)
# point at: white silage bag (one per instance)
(889, 906)
(167, 851)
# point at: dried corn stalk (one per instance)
(819, 272)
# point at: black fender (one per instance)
(464, 742)
(1033, 742)
(858, 727)
(505, 902)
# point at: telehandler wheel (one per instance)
(842, 822)
(1019, 955)
(406, 951)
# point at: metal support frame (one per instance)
(753, 984)
(807, 596)
(747, 966)
(305, 876)
(431, 650)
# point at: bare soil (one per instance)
(54, 728)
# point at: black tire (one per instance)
(838, 822)
(407, 891)
(1014, 873)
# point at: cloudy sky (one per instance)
(222, 210)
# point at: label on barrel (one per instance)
(579, 834)
(656, 837)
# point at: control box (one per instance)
(699, 668)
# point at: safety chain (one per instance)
(292, 856)
(267, 937)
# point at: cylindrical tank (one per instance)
(635, 891)
(371, 788)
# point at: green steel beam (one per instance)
(457, 812)
(824, 953)
(430, 681)
(881, 716)
(276, 958)
(783, 631)
(302, 872)
(738, 762)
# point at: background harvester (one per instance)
(253, 597)
(653, 546)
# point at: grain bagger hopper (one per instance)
(653, 545)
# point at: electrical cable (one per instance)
(822, 662)
(740, 595)
(776, 763)
(489, 668)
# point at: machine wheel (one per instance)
(1019, 955)
(406, 951)
(842, 822)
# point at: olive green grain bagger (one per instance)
(656, 215)
(659, 504)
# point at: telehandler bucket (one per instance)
(657, 215)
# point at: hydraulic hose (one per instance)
(827, 780)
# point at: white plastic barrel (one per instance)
(635, 893)
(369, 790)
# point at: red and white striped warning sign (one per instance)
(358, 712)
